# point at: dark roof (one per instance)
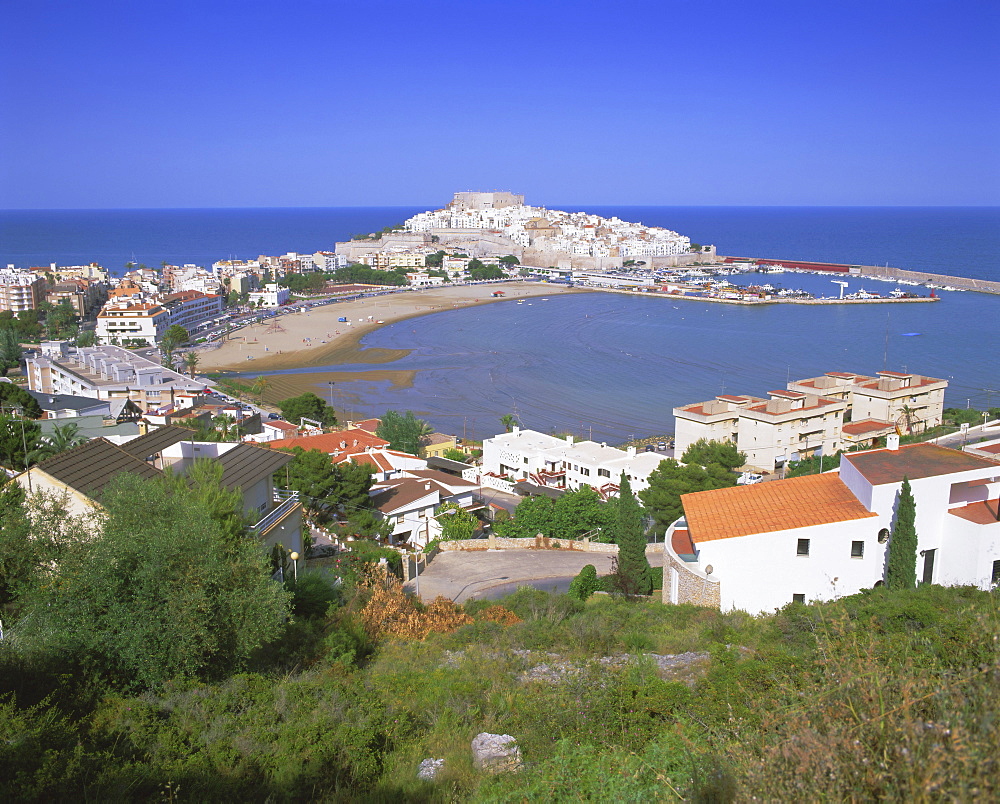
(913, 461)
(91, 466)
(405, 492)
(67, 401)
(246, 464)
(439, 477)
(156, 441)
(525, 488)
(447, 466)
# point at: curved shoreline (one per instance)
(289, 347)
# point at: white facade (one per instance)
(122, 322)
(271, 295)
(544, 460)
(824, 536)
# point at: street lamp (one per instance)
(295, 566)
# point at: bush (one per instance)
(585, 583)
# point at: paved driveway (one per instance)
(462, 576)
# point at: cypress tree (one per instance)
(901, 572)
(631, 574)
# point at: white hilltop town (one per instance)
(497, 223)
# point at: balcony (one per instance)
(285, 502)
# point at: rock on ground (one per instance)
(429, 769)
(495, 753)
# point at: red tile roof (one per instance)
(867, 427)
(914, 461)
(982, 513)
(767, 507)
(331, 442)
(681, 543)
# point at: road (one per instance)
(489, 574)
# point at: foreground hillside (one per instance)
(884, 695)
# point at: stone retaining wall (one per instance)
(683, 582)
(534, 543)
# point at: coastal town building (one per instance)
(271, 295)
(192, 277)
(83, 295)
(192, 309)
(20, 290)
(549, 462)
(808, 417)
(105, 372)
(411, 501)
(132, 323)
(81, 474)
(819, 537)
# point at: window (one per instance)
(604, 472)
(802, 549)
(883, 536)
(799, 597)
(857, 549)
(996, 573)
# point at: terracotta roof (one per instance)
(767, 507)
(331, 442)
(991, 448)
(278, 424)
(867, 426)
(369, 425)
(681, 542)
(913, 461)
(985, 512)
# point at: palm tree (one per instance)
(62, 438)
(259, 386)
(908, 418)
(191, 361)
(508, 421)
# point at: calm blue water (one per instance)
(611, 367)
(605, 365)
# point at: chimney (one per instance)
(630, 451)
(569, 439)
(892, 442)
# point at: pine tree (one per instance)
(901, 572)
(631, 574)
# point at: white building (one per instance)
(131, 323)
(106, 372)
(411, 500)
(544, 460)
(271, 295)
(820, 537)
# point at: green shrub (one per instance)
(585, 583)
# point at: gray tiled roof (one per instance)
(156, 441)
(89, 467)
(245, 464)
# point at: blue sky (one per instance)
(301, 103)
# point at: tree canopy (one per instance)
(155, 592)
(324, 485)
(403, 431)
(901, 567)
(722, 453)
(670, 480)
(455, 521)
(631, 573)
(308, 406)
(571, 516)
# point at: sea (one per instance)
(605, 366)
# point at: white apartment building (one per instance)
(128, 322)
(389, 260)
(820, 537)
(20, 290)
(544, 460)
(106, 372)
(789, 426)
(910, 401)
(271, 295)
(192, 277)
(191, 309)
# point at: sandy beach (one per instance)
(315, 337)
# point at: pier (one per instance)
(879, 272)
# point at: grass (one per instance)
(884, 695)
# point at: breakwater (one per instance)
(884, 272)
